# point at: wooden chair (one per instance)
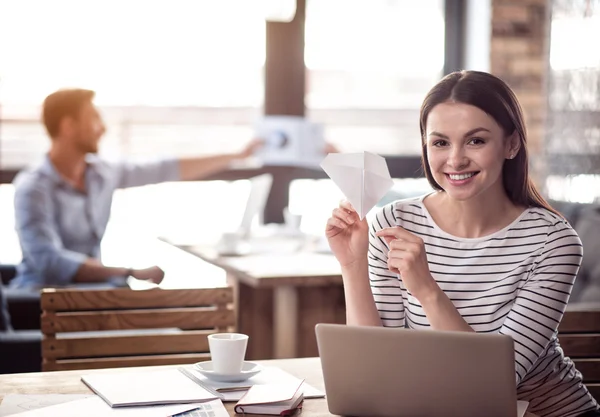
(85, 329)
(579, 336)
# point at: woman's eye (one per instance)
(477, 141)
(439, 143)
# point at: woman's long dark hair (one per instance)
(494, 97)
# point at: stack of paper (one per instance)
(168, 386)
(234, 391)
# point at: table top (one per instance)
(69, 382)
(302, 268)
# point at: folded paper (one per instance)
(363, 177)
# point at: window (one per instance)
(315, 199)
(174, 76)
(171, 77)
(369, 65)
(573, 136)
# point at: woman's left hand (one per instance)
(408, 258)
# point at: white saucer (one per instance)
(249, 369)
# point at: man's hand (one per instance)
(251, 148)
(330, 148)
(153, 274)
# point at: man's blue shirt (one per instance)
(60, 227)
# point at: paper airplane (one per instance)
(363, 177)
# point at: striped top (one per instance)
(516, 281)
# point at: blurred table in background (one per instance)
(281, 296)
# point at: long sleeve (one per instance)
(539, 306)
(385, 285)
(134, 173)
(40, 241)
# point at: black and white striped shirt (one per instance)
(516, 281)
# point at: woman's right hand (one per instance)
(348, 236)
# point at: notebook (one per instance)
(280, 399)
(168, 386)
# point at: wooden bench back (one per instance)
(85, 329)
(579, 337)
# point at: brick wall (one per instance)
(519, 55)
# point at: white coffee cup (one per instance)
(229, 243)
(292, 220)
(227, 351)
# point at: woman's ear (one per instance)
(513, 145)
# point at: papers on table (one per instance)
(76, 405)
(363, 177)
(234, 391)
(96, 407)
(19, 403)
(159, 393)
(168, 386)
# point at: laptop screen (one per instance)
(257, 201)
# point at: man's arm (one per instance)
(202, 167)
(91, 270)
(42, 245)
(188, 169)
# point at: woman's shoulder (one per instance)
(556, 227)
(545, 217)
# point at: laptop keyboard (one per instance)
(204, 410)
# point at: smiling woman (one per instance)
(466, 164)
(482, 253)
(475, 149)
(460, 100)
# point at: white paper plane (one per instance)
(363, 177)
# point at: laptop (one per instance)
(384, 372)
(243, 241)
(260, 188)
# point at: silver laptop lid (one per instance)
(383, 372)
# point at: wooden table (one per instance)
(281, 297)
(69, 382)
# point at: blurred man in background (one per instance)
(62, 206)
